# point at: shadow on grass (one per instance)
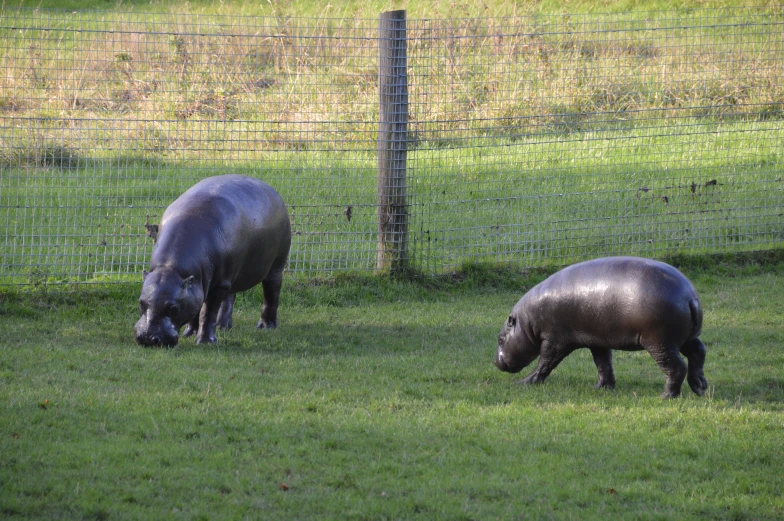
(429, 338)
(456, 362)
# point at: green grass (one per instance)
(378, 399)
(530, 203)
(568, 136)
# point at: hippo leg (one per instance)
(192, 327)
(549, 359)
(269, 308)
(209, 316)
(224, 313)
(694, 351)
(602, 357)
(673, 366)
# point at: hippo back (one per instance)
(617, 298)
(239, 224)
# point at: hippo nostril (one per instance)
(155, 339)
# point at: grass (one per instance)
(532, 203)
(536, 139)
(378, 399)
(370, 9)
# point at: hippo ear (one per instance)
(187, 283)
(511, 321)
(144, 274)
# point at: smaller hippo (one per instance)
(224, 235)
(625, 303)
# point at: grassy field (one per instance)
(378, 399)
(371, 8)
(562, 201)
(539, 139)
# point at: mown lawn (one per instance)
(378, 399)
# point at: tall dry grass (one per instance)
(198, 87)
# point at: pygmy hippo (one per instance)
(223, 235)
(625, 303)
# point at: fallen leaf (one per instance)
(612, 491)
(284, 487)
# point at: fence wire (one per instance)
(533, 140)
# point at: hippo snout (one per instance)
(164, 335)
(500, 363)
(156, 337)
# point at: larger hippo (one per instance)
(625, 303)
(223, 235)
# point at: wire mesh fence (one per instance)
(530, 140)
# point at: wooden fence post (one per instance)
(392, 247)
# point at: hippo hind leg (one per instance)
(673, 366)
(694, 351)
(224, 313)
(269, 309)
(602, 357)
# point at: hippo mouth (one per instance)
(501, 364)
(156, 340)
(156, 333)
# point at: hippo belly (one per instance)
(224, 235)
(625, 303)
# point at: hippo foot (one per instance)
(601, 384)
(698, 384)
(206, 339)
(266, 324)
(670, 394)
(189, 331)
(530, 379)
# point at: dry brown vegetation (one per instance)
(174, 84)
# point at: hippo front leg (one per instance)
(602, 357)
(548, 360)
(209, 317)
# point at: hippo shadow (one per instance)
(457, 360)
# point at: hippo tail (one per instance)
(696, 317)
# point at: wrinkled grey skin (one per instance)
(625, 303)
(224, 235)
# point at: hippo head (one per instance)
(167, 302)
(515, 348)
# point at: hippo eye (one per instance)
(173, 309)
(511, 321)
(142, 307)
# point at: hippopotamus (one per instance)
(223, 235)
(624, 303)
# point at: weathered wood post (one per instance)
(392, 142)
